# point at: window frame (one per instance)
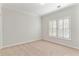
(63, 28)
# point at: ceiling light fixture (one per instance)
(58, 6)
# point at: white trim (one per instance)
(57, 36)
(18, 43)
(58, 43)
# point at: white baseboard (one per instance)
(17, 44)
(36, 40)
(62, 44)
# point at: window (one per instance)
(66, 28)
(52, 28)
(60, 28)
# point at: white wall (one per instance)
(0, 32)
(0, 26)
(73, 12)
(19, 27)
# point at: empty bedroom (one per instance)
(39, 29)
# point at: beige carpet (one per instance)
(39, 48)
